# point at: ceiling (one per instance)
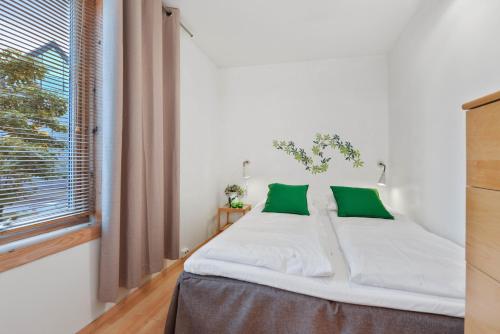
(242, 32)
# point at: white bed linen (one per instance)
(400, 254)
(282, 242)
(335, 288)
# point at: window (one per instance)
(48, 80)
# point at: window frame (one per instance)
(43, 243)
(32, 230)
(35, 251)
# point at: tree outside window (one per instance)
(30, 131)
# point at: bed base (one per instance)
(210, 304)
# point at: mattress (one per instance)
(335, 288)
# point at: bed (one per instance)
(226, 291)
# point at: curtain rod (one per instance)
(182, 25)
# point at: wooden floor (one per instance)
(142, 312)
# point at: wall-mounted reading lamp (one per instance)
(246, 176)
(381, 180)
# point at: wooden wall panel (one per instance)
(483, 230)
(483, 147)
(483, 303)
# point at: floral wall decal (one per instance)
(320, 143)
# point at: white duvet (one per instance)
(285, 243)
(399, 254)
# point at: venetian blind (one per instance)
(48, 83)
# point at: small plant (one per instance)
(321, 142)
(232, 192)
(237, 204)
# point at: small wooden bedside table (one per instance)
(228, 211)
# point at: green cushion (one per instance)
(284, 198)
(359, 202)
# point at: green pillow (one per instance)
(283, 198)
(359, 202)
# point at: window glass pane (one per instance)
(44, 161)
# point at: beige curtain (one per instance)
(140, 190)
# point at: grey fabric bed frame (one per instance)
(218, 305)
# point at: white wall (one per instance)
(199, 109)
(58, 294)
(448, 55)
(294, 101)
